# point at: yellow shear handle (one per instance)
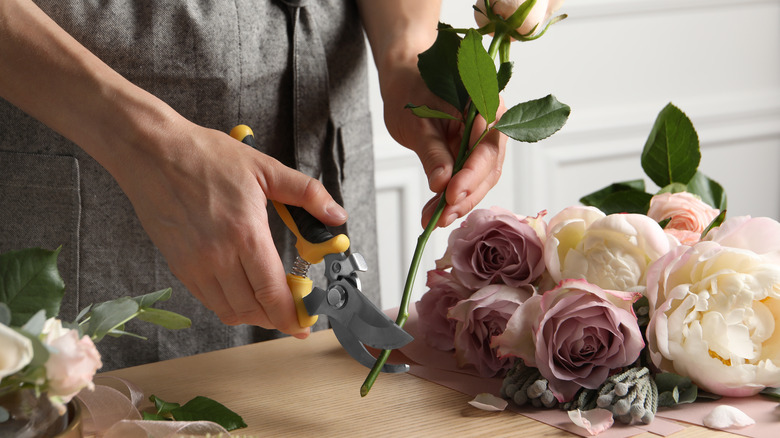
(313, 240)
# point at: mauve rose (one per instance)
(496, 246)
(688, 213)
(715, 307)
(480, 318)
(443, 293)
(72, 362)
(539, 14)
(574, 335)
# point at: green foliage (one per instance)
(534, 120)
(670, 159)
(439, 69)
(504, 75)
(478, 74)
(674, 390)
(198, 409)
(29, 282)
(425, 112)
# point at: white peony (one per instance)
(714, 309)
(612, 252)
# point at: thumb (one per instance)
(289, 186)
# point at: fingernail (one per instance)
(461, 197)
(437, 173)
(450, 219)
(337, 212)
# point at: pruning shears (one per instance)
(355, 320)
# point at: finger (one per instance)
(266, 278)
(289, 186)
(479, 174)
(239, 295)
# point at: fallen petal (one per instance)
(489, 402)
(594, 421)
(725, 416)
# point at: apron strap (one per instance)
(311, 106)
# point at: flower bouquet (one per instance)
(45, 361)
(610, 310)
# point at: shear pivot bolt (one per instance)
(337, 297)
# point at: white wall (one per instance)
(616, 63)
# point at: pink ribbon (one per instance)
(111, 411)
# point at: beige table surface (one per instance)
(290, 387)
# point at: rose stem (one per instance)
(403, 309)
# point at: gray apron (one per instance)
(295, 71)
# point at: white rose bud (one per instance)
(17, 351)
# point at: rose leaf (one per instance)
(423, 111)
(710, 191)
(205, 409)
(478, 73)
(164, 318)
(438, 67)
(671, 153)
(503, 75)
(30, 281)
(534, 120)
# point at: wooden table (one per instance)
(289, 387)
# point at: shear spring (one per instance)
(300, 267)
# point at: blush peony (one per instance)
(714, 308)
(574, 335)
(612, 252)
(480, 318)
(689, 215)
(495, 246)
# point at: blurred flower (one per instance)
(17, 351)
(574, 335)
(689, 215)
(714, 308)
(72, 362)
(612, 252)
(480, 318)
(495, 246)
(443, 293)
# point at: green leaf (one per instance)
(534, 120)
(710, 191)
(5, 314)
(152, 416)
(671, 153)
(521, 13)
(30, 281)
(161, 405)
(425, 112)
(107, 316)
(439, 69)
(34, 325)
(164, 318)
(674, 188)
(149, 299)
(715, 223)
(478, 73)
(504, 75)
(674, 389)
(205, 409)
(626, 202)
(771, 392)
(597, 197)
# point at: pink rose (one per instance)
(495, 246)
(539, 14)
(71, 366)
(714, 308)
(688, 213)
(575, 335)
(443, 293)
(478, 320)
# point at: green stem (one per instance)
(463, 154)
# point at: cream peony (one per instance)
(540, 12)
(612, 252)
(714, 308)
(17, 351)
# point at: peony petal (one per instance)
(594, 421)
(725, 416)
(489, 402)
